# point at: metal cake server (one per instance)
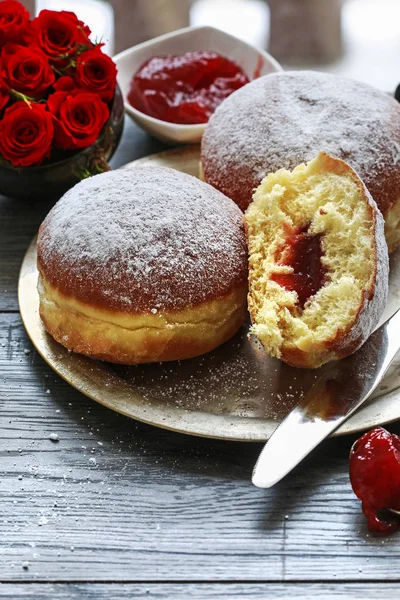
(341, 389)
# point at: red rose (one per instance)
(78, 118)
(14, 19)
(65, 84)
(26, 134)
(58, 33)
(96, 72)
(26, 70)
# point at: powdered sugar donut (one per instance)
(283, 119)
(143, 265)
(318, 262)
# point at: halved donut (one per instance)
(318, 278)
(283, 119)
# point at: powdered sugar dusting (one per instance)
(143, 239)
(284, 119)
(236, 379)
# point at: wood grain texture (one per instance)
(19, 220)
(115, 500)
(198, 591)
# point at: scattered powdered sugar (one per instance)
(284, 119)
(237, 379)
(145, 238)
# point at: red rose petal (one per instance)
(65, 84)
(26, 70)
(78, 120)
(55, 100)
(96, 72)
(14, 20)
(26, 134)
(58, 34)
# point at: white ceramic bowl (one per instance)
(254, 62)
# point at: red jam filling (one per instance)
(184, 89)
(375, 478)
(303, 252)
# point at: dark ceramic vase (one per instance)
(51, 180)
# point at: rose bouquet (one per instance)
(57, 87)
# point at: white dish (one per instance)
(254, 62)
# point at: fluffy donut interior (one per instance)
(321, 199)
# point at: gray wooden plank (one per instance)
(199, 591)
(20, 220)
(115, 500)
(18, 223)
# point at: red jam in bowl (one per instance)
(375, 478)
(184, 89)
(303, 252)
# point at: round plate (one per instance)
(235, 393)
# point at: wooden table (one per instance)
(117, 509)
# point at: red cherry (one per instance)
(375, 476)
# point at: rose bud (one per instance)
(66, 83)
(14, 19)
(78, 118)
(58, 34)
(96, 72)
(26, 70)
(26, 134)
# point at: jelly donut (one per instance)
(142, 265)
(283, 119)
(318, 266)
